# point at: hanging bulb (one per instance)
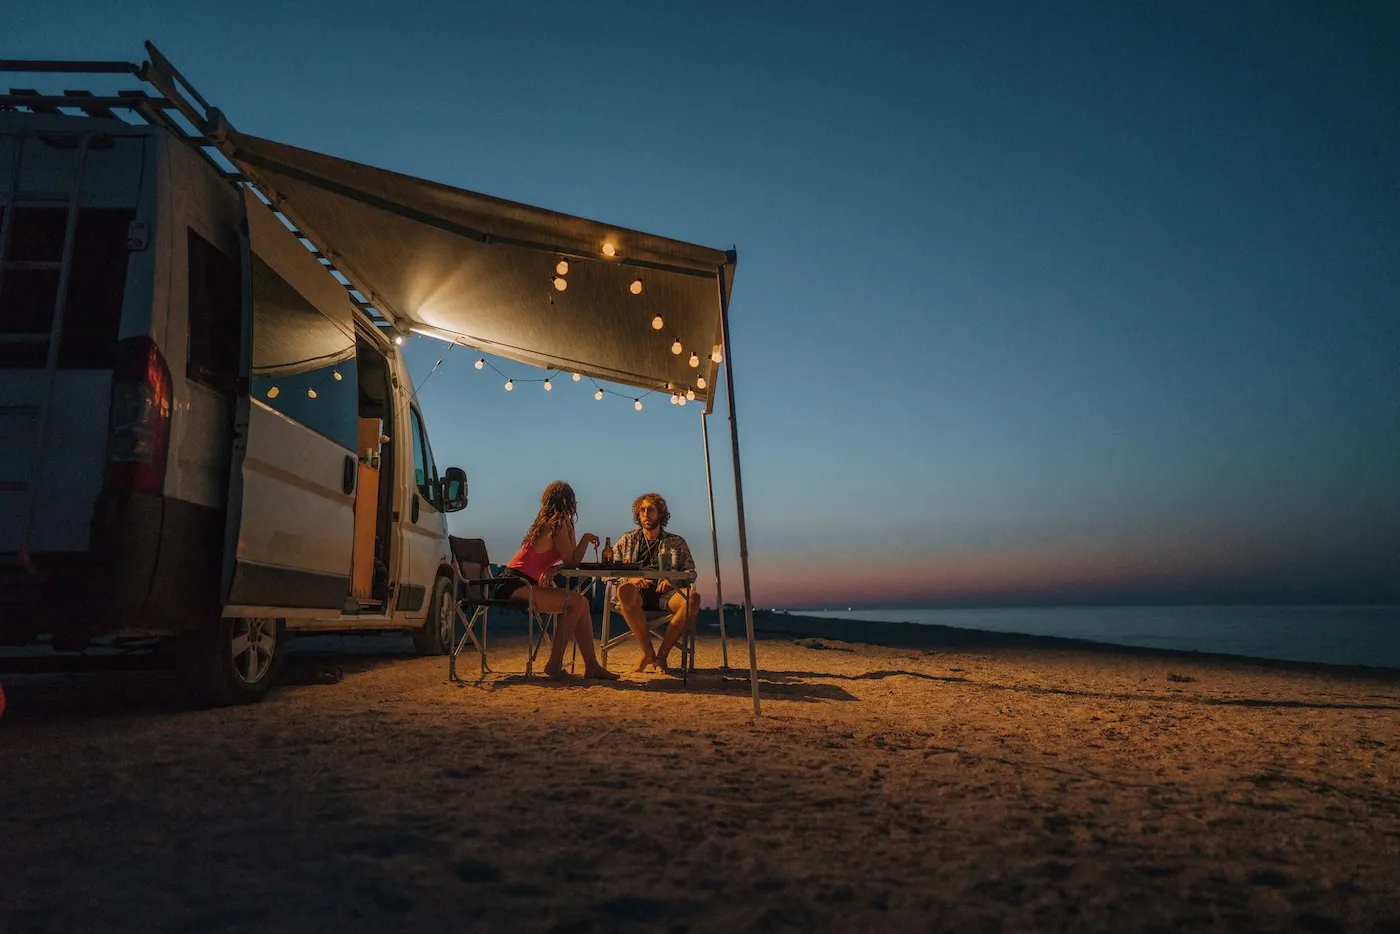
(699, 382)
(680, 400)
(273, 392)
(636, 287)
(694, 359)
(548, 386)
(598, 395)
(336, 374)
(480, 363)
(562, 267)
(716, 355)
(577, 377)
(510, 384)
(311, 393)
(690, 394)
(637, 404)
(657, 324)
(560, 283)
(609, 249)
(398, 339)
(676, 347)
(673, 398)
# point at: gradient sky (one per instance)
(1097, 302)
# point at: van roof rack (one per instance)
(178, 108)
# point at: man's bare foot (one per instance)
(600, 674)
(662, 665)
(648, 662)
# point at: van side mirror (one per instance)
(454, 489)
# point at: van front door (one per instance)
(425, 525)
(291, 498)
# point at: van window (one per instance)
(216, 312)
(303, 362)
(424, 470)
(96, 287)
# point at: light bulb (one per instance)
(480, 364)
(636, 287)
(336, 374)
(690, 394)
(673, 398)
(680, 400)
(637, 404)
(716, 356)
(273, 392)
(694, 359)
(577, 377)
(657, 324)
(560, 283)
(548, 386)
(676, 347)
(699, 382)
(398, 339)
(598, 395)
(311, 393)
(609, 249)
(562, 267)
(510, 384)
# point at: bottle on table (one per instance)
(607, 550)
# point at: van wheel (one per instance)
(233, 661)
(435, 638)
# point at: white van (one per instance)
(202, 439)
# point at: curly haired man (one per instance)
(635, 596)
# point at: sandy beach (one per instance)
(941, 781)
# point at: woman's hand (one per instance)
(588, 539)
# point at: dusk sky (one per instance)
(1034, 301)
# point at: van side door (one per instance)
(291, 500)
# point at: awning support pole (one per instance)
(714, 539)
(738, 487)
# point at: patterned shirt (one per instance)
(633, 548)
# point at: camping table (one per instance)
(610, 576)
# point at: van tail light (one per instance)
(139, 428)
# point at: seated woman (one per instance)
(551, 537)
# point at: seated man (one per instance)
(644, 545)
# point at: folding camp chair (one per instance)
(475, 589)
(654, 620)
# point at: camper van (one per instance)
(205, 445)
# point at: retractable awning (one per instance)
(481, 271)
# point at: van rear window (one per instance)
(95, 289)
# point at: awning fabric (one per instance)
(479, 270)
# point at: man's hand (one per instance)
(662, 586)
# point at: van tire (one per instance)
(216, 676)
(435, 637)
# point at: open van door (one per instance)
(291, 492)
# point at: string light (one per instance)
(577, 377)
(609, 249)
(480, 363)
(690, 394)
(598, 395)
(716, 355)
(694, 359)
(548, 386)
(657, 324)
(273, 392)
(510, 384)
(311, 393)
(560, 283)
(676, 348)
(562, 267)
(398, 339)
(336, 374)
(637, 404)
(636, 287)
(699, 382)
(680, 400)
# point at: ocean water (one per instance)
(1339, 635)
